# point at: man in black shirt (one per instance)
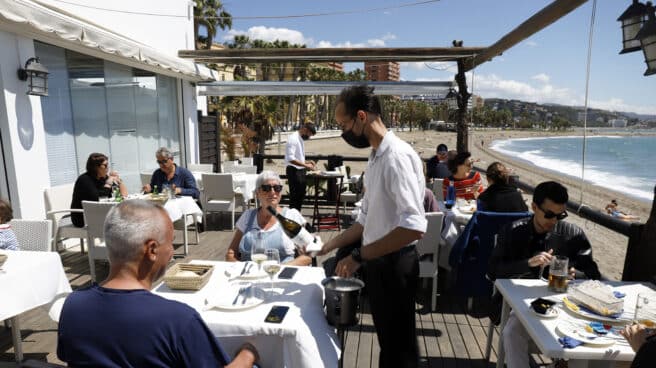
(526, 246)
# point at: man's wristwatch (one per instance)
(355, 254)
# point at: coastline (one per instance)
(609, 247)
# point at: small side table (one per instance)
(328, 221)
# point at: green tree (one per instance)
(211, 15)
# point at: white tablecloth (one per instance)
(303, 339)
(30, 280)
(242, 183)
(177, 207)
(518, 295)
(454, 223)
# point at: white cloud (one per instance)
(531, 43)
(374, 42)
(428, 66)
(271, 34)
(388, 36)
(542, 77)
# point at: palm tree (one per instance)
(211, 15)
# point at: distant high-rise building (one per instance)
(378, 71)
(617, 123)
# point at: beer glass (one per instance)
(558, 274)
(645, 311)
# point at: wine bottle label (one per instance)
(303, 238)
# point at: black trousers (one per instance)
(391, 282)
(297, 185)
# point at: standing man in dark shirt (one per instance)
(296, 165)
(123, 324)
(436, 166)
(527, 246)
(180, 179)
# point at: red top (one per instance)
(465, 188)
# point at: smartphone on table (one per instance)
(287, 273)
(276, 314)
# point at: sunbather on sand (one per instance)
(612, 210)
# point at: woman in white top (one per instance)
(260, 222)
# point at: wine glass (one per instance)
(272, 264)
(258, 254)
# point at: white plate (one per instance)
(576, 330)
(231, 298)
(552, 312)
(597, 317)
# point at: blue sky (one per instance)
(548, 67)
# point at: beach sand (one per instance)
(608, 246)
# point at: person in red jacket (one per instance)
(468, 183)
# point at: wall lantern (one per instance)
(647, 38)
(632, 20)
(452, 99)
(36, 76)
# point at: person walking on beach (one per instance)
(391, 221)
(296, 165)
(525, 248)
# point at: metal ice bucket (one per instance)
(341, 300)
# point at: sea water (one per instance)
(626, 164)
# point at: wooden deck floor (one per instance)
(448, 337)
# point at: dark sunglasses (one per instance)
(267, 188)
(549, 215)
(162, 162)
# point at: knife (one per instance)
(243, 271)
(241, 290)
(243, 300)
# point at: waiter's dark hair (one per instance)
(552, 190)
(360, 97)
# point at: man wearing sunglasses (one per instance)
(525, 247)
(180, 180)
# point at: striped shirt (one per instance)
(8, 238)
(465, 188)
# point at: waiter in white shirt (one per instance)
(296, 164)
(390, 223)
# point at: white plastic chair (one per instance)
(58, 202)
(218, 195)
(430, 245)
(35, 235)
(145, 178)
(228, 167)
(94, 218)
(202, 168)
(345, 193)
(246, 161)
(248, 169)
(437, 189)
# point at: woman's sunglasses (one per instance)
(267, 188)
(549, 215)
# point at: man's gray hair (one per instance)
(266, 175)
(129, 225)
(164, 152)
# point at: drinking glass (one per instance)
(258, 254)
(272, 264)
(558, 274)
(645, 311)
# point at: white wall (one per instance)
(23, 136)
(169, 33)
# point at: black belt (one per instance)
(406, 249)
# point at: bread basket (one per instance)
(176, 277)
(157, 198)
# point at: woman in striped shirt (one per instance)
(468, 183)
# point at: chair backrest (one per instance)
(218, 187)
(202, 168)
(437, 189)
(33, 234)
(248, 169)
(429, 243)
(471, 252)
(94, 218)
(145, 178)
(58, 198)
(246, 161)
(227, 166)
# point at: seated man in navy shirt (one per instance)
(178, 178)
(123, 324)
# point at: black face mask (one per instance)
(305, 137)
(357, 141)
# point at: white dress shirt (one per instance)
(294, 150)
(394, 190)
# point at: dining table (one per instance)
(303, 338)
(545, 332)
(29, 280)
(242, 183)
(455, 220)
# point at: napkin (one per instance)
(598, 328)
(569, 343)
(619, 294)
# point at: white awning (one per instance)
(58, 27)
(240, 88)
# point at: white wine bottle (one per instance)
(295, 231)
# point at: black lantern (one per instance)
(647, 38)
(36, 75)
(632, 20)
(452, 99)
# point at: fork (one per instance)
(239, 293)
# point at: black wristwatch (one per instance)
(355, 253)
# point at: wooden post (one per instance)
(462, 143)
